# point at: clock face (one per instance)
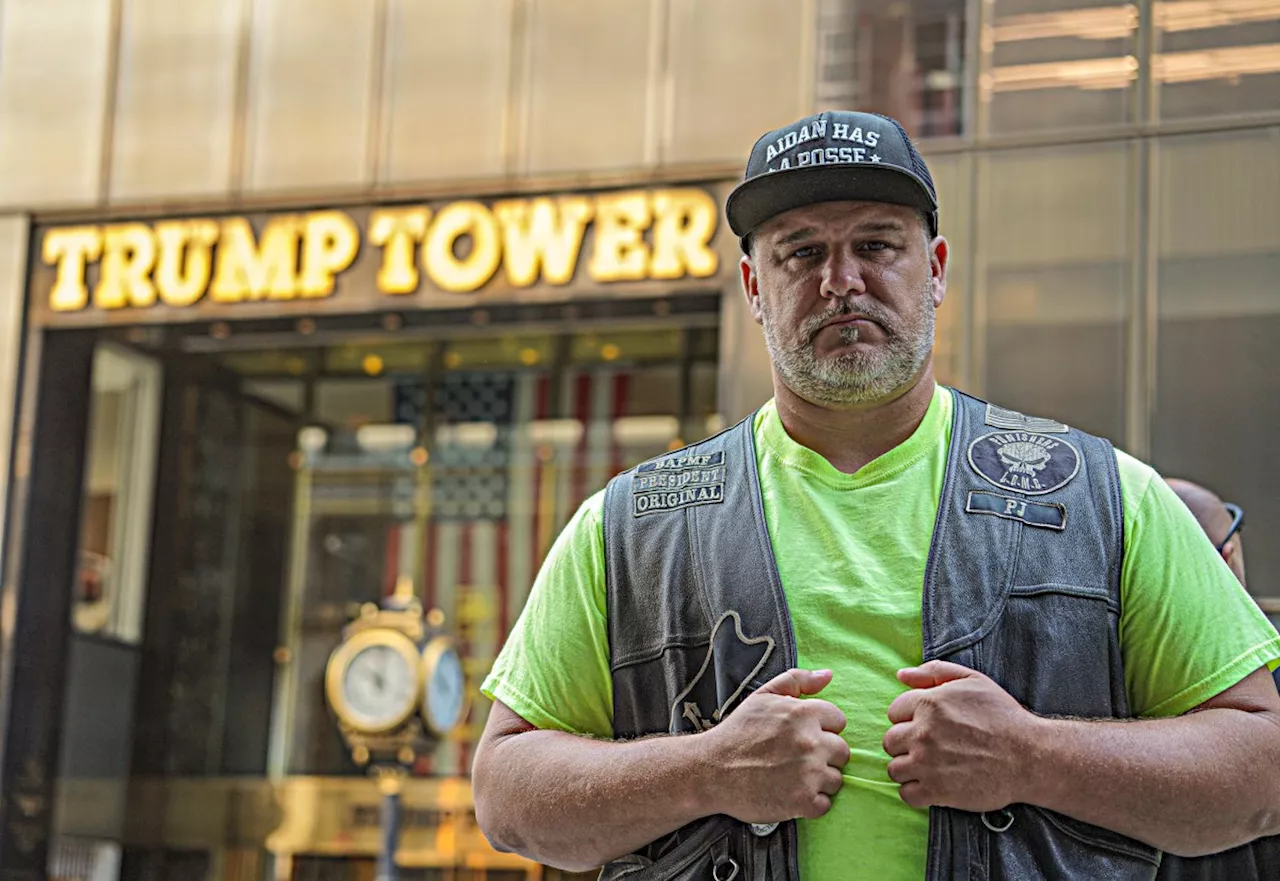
(379, 686)
(445, 694)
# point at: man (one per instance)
(1261, 859)
(1222, 527)
(893, 626)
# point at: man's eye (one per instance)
(875, 246)
(805, 252)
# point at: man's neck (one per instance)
(851, 438)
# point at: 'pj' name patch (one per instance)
(1043, 514)
(678, 482)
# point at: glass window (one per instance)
(1058, 64)
(115, 530)
(906, 60)
(1055, 254)
(1216, 58)
(1217, 390)
(455, 477)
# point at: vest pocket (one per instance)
(715, 849)
(1056, 649)
(1044, 844)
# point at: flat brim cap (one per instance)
(831, 157)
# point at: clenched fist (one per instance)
(781, 754)
(958, 740)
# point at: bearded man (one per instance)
(880, 629)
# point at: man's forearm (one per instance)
(576, 803)
(1192, 785)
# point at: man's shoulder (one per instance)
(692, 455)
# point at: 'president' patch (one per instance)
(676, 482)
(1024, 461)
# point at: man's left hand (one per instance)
(958, 739)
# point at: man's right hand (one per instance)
(781, 756)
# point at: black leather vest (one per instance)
(1022, 583)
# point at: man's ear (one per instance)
(939, 254)
(751, 287)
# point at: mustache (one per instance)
(872, 311)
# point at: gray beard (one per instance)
(852, 377)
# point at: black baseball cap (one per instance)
(836, 156)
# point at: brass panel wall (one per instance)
(737, 69)
(175, 98)
(1220, 195)
(952, 177)
(13, 271)
(54, 58)
(448, 72)
(1217, 390)
(310, 94)
(1034, 196)
(589, 81)
(1056, 262)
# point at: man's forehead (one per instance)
(836, 215)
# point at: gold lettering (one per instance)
(186, 260)
(446, 269)
(128, 253)
(542, 233)
(70, 249)
(329, 244)
(685, 221)
(249, 272)
(398, 231)
(620, 252)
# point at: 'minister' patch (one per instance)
(678, 482)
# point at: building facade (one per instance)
(301, 302)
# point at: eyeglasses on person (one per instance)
(1237, 522)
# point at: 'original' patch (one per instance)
(1045, 514)
(1024, 461)
(676, 482)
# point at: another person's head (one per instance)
(843, 265)
(1221, 525)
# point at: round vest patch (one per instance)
(1024, 461)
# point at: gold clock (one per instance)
(373, 680)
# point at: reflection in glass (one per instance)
(1057, 64)
(906, 60)
(1217, 58)
(120, 470)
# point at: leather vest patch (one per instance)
(676, 482)
(1024, 461)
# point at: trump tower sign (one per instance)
(387, 257)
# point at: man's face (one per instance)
(846, 293)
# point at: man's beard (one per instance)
(853, 377)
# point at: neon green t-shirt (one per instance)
(851, 552)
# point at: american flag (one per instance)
(506, 475)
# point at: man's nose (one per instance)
(842, 276)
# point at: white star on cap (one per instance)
(875, 157)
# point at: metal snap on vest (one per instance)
(760, 830)
(725, 870)
(1001, 820)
